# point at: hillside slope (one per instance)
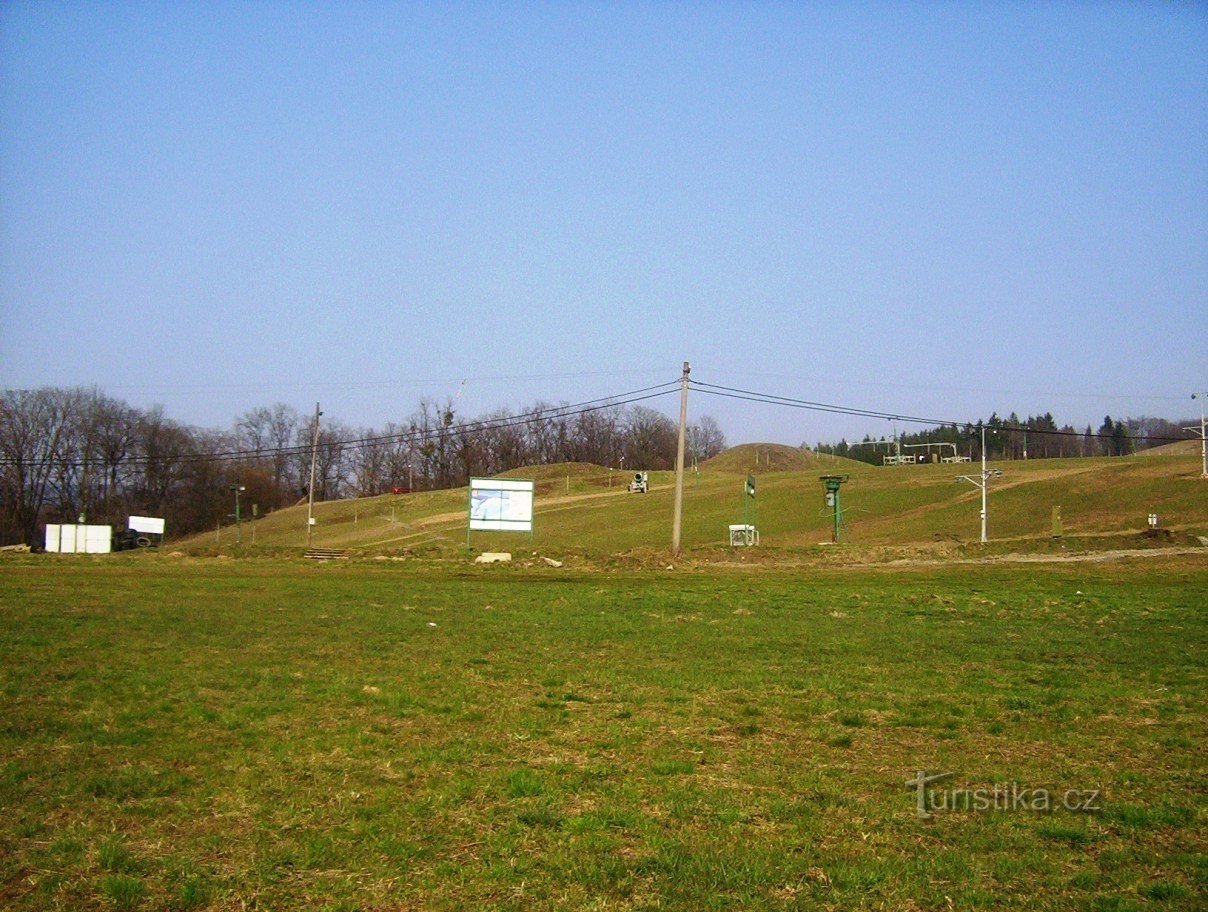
(773, 457)
(588, 510)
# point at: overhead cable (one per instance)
(417, 435)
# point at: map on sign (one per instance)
(501, 505)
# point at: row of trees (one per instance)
(1036, 437)
(67, 453)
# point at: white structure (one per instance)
(148, 525)
(640, 483)
(743, 535)
(982, 481)
(1203, 435)
(72, 538)
(501, 505)
(939, 446)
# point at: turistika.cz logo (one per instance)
(997, 798)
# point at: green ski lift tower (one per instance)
(833, 483)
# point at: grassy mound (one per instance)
(556, 470)
(1179, 448)
(771, 457)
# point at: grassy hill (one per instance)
(1189, 447)
(773, 457)
(583, 508)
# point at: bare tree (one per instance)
(369, 464)
(332, 457)
(32, 426)
(598, 436)
(706, 438)
(651, 439)
(272, 432)
(165, 451)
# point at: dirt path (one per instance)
(427, 524)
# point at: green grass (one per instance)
(205, 735)
(1104, 504)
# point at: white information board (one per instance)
(501, 505)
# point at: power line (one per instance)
(411, 436)
(730, 392)
(579, 408)
(847, 382)
(830, 408)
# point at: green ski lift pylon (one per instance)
(833, 482)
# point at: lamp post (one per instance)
(1203, 436)
(238, 489)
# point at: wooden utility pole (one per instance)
(679, 463)
(310, 491)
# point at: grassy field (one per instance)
(273, 734)
(583, 509)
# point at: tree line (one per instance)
(67, 453)
(1012, 437)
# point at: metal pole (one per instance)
(983, 485)
(746, 503)
(310, 491)
(1203, 436)
(238, 525)
(835, 518)
(679, 464)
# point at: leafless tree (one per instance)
(33, 424)
(272, 432)
(651, 440)
(705, 438)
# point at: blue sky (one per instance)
(932, 208)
